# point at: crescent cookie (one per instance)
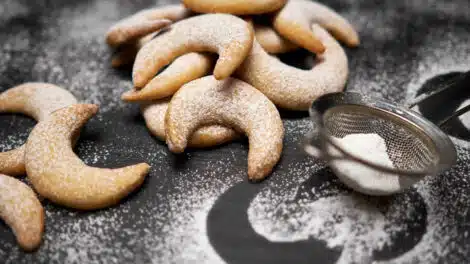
(231, 103)
(184, 69)
(294, 23)
(143, 23)
(235, 7)
(204, 137)
(60, 176)
(229, 36)
(36, 100)
(22, 211)
(267, 37)
(292, 88)
(271, 41)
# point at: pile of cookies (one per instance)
(201, 100)
(50, 164)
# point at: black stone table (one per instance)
(199, 207)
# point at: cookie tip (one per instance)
(144, 168)
(29, 243)
(92, 108)
(220, 73)
(175, 148)
(138, 81)
(128, 96)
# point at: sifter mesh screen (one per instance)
(408, 147)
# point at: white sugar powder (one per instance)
(12, 8)
(344, 221)
(13, 141)
(363, 178)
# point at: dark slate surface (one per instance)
(406, 48)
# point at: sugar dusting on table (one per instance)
(352, 221)
(170, 232)
(180, 222)
(13, 141)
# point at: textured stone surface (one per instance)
(403, 45)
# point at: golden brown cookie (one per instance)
(293, 88)
(235, 7)
(230, 103)
(184, 69)
(204, 137)
(143, 23)
(36, 100)
(271, 41)
(22, 211)
(295, 20)
(60, 176)
(227, 35)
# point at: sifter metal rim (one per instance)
(447, 154)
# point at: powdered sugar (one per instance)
(341, 221)
(360, 177)
(446, 52)
(12, 8)
(13, 141)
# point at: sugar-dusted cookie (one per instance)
(271, 41)
(143, 23)
(227, 35)
(184, 69)
(232, 103)
(235, 7)
(204, 137)
(22, 211)
(295, 20)
(60, 176)
(292, 88)
(36, 100)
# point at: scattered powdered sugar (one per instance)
(83, 79)
(12, 8)
(181, 223)
(81, 34)
(321, 209)
(341, 221)
(445, 52)
(13, 141)
(83, 21)
(445, 235)
(359, 225)
(173, 231)
(184, 238)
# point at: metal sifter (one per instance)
(416, 146)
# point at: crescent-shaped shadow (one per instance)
(232, 236)
(234, 239)
(439, 107)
